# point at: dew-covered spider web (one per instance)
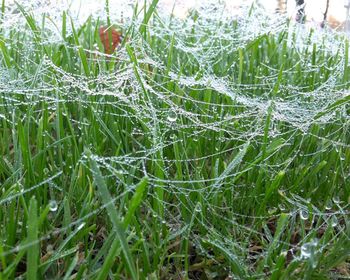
(240, 122)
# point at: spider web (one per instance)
(161, 103)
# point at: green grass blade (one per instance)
(71, 267)
(335, 105)
(135, 201)
(33, 249)
(81, 51)
(107, 200)
(147, 17)
(109, 260)
(233, 164)
(5, 54)
(115, 247)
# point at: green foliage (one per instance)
(194, 151)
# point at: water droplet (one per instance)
(282, 207)
(21, 189)
(336, 199)
(172, 117)
(81, 226)
(198, 207)
(329, 204)
(272, 210)
(304, 214)
(53, 206)
(284, 253)
(120, 171)
(307, 250)
(49, 249)
(334, 221)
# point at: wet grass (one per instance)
(169, 161)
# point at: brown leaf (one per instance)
(104, 36)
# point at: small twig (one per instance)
(325, 15)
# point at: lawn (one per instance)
(209, 147)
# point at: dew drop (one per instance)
(198, 208)
(81, 226)
(336, 199)
(307, 250)
(334, 221)
(172, 117)
(304, 214)
(53, 206)
(49, 249)
(329, 205)
(284, 253)
(282, 207)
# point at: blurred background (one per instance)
(316, 13)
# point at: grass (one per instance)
(198, 151)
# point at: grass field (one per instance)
(204, 148)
